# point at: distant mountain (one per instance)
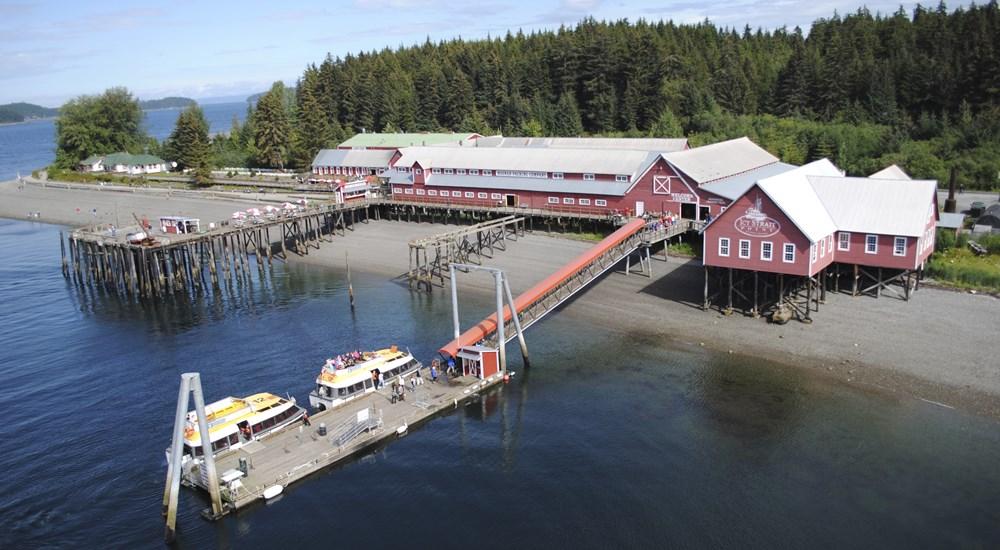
(19, 112)
(166, 103)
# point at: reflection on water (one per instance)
(612, 439)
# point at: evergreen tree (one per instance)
(272, 130)
(566, 118)
(188, 144)
(666, 126)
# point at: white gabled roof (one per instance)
(791, 192)
(892, 172)
(879, 206)
(588, 161)
(658, 145)
(719, 160)
(353, 157)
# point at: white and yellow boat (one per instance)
(340, 382)
(233, 422)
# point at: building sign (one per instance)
(661, 185)
(682, 197)
(755, 223)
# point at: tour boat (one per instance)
(233, 422)
(350, 376)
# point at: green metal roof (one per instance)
(128, 159)
(92, 159)
(402, 140)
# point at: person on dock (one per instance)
(451, 367)
(413, 383)
(305, 419)
(381, 379)
(434, 372)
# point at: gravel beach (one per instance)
(939, 347)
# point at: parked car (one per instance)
(976, 209)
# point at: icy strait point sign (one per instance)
(755, 223)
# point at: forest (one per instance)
(866, 90)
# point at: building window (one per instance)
(487, 172)
(584, 202)
(744, 248)
(496, 196)
(483, 195)
(444, 193)
(557, 175)
(723, 246)
(473, 172)
(432, 192)
(812, 252)
(844, 241)
(470, 195)
(397, 189)
(822, 248)
(871, 244)
(435, 170)
(420, 191)
(600, 202)
(449, 171)
(899, 246)
(418, 171)
(568, 200)
(766, 250)
(408, 191)
(789, 256)
(588, 177)
(553, 200)
(621, 179)
(460, 171)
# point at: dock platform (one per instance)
(299, 451)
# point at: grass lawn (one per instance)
(961, 268)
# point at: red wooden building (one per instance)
(602, 176)
(808, 227)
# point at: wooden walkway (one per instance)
(297, 452)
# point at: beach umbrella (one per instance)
(270, 208)
(238, 215)
(288, 206)
(253, 211)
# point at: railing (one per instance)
(498, 205)
(350, 429)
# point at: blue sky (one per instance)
(52, 51)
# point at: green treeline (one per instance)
(916, 89)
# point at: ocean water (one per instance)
(31, 145)
(612, 439)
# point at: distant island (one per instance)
(19, 112)
(166, 103)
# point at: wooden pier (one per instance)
(431, 256)
(359, 425)
(204, 261)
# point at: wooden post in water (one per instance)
(173, 485)
(350, 287)
(62, 252)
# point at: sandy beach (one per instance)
(938, 347)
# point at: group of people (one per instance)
(662, 221)
(346, 360)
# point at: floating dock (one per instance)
(297, 452)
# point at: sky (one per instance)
(51, 51)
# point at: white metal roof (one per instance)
(791, 192)
(892, 172)
(735, 185)
(659, 145)
(353, 157)
(610, 188)
(951, 220)
(871, 205)
(587, 161)
(719, 160)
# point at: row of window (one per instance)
(508, 173)
(345, 170)
(871, 244)
(581, 202)
(788, 256)
(766, 250)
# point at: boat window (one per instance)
(269, 422)
(234, 439)
(341, 392)
(368, 384)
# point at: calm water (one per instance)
(31, 145)
(612, 440)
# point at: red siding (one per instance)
(787, 233)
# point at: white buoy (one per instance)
(273, 491)
(401, 431)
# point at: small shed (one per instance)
(479, 361)
(951, 221)
(179, 225)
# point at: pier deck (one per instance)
(295, 453)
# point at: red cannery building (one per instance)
(600, 175)
(806, 229)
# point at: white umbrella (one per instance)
(253, 211)
(270, 208)
(288, 206)
(238, 215)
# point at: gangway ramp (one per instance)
(533, 304)
(431, 256)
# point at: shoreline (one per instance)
(933, 349)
